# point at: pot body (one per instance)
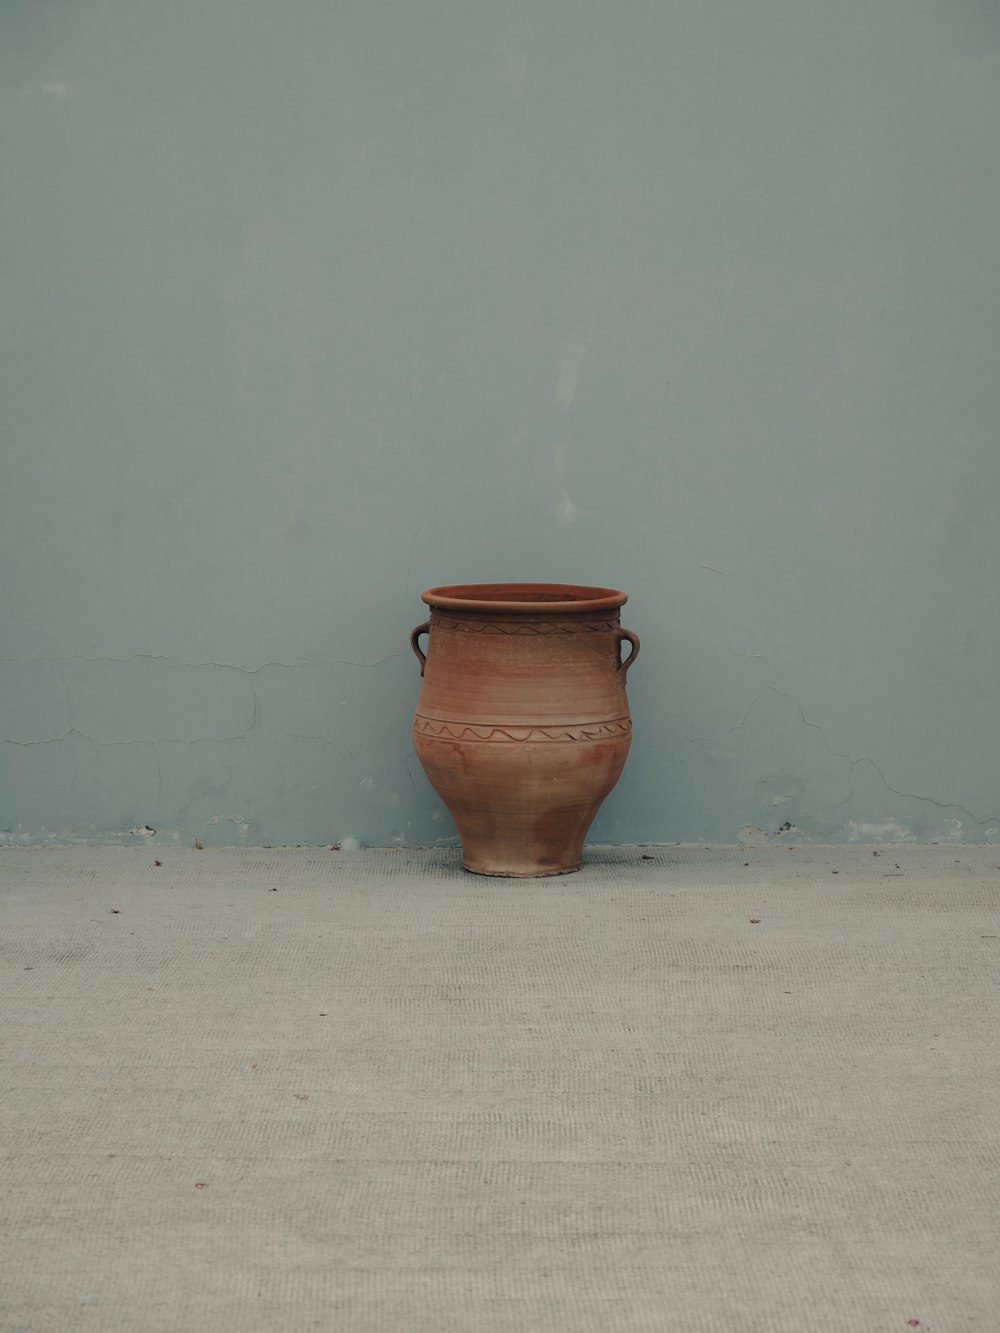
(523, 725)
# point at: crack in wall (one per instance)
(915, 796)
(714, 740)
(822, 735)
(849, 760)
(344, 749)
(226, 666)
(866, 759)
(143, 740)
(736, 652)
(73, 730)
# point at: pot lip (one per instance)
(524, 598)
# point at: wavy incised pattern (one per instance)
(466, 731)
(535, 627)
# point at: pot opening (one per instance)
(524, 597)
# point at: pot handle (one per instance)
(415, 635)
(633, 639)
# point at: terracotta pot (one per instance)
(523, 725)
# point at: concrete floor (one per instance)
(689, 1089)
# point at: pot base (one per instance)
(523, 874)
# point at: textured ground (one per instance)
(286, 1090)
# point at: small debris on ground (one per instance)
(755, 921)
(335, 847)
(116, 911)
(200, 1184)
(301, 1096)
(199, 844)
(157, 863)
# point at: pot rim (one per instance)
(523, 598)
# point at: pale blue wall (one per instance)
(310, 305)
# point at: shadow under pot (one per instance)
(523, 725)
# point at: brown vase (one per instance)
(523, 725)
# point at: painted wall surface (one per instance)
(308, 306)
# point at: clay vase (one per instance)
(523, 725)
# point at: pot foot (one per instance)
(523, 874)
